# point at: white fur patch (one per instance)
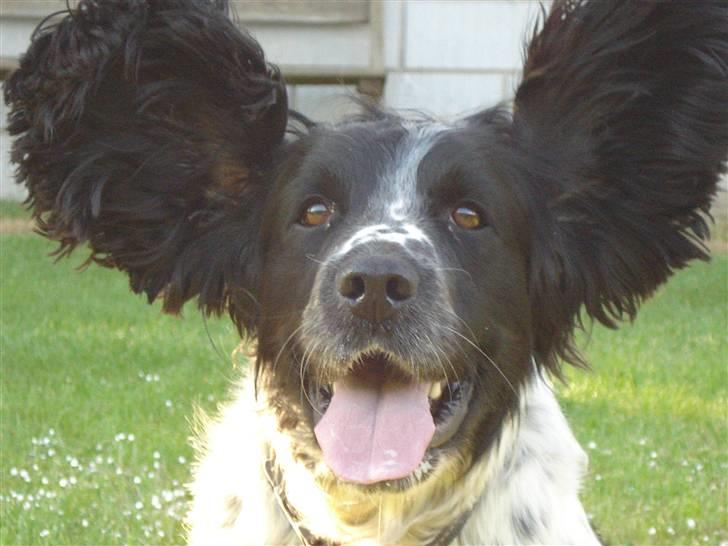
(399, 235)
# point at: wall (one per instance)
(444, 57)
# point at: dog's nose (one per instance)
(376, 287)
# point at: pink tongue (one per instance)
(375, 430)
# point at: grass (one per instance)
(97, 388)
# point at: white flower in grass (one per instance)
(670, 531)
(63, 482)
(651, 531)
(51, 452)
(84, 523)
(44, 480)
(653, 454)
(592, 445)
(119, 471)
(168, 403)
(156, 455)
(181, 460)
(643, 441)
(137, 480)
(138, 505)
(691, 523)
(72, 480)
(13, 471)
(44, 533)
(51, 432)
(155, 503)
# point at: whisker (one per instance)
(472, 344)
(285, 343)
(456, 269)
(315, 260)
(437, 351)
(305, 361)
(453, 314)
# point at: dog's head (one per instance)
(401, 275)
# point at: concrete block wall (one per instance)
(450, 57)
(443, 57)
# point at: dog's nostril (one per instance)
(352, 286)
(399, 288)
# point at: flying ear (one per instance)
(145, 128)
(622, 123)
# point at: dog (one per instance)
(410, 283)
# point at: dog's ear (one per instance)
(621, 122)
(146, 128)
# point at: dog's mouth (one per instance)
(376, 424)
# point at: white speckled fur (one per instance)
(533, 471)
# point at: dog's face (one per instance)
(402, 277)
(395, 281)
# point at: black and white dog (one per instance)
(409, 282)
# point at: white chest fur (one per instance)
(524, 491)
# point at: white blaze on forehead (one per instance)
(399, 185)
(397, 201)
(400, 235)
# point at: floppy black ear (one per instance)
(622, 123)
(145, 128)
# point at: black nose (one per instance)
(377, 286)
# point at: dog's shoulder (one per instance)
(531, 496)
(233, 500)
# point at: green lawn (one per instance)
(98, 388)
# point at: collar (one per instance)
(444, 537)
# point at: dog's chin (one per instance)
(404, 425)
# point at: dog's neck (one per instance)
(445, 537)
(498, 490)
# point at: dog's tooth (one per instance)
(436, 390)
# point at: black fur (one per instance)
(621, 121)
(143, 128)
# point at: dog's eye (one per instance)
(466, 217)
(316, 212)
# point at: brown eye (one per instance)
(316, 213)
(466, 218)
